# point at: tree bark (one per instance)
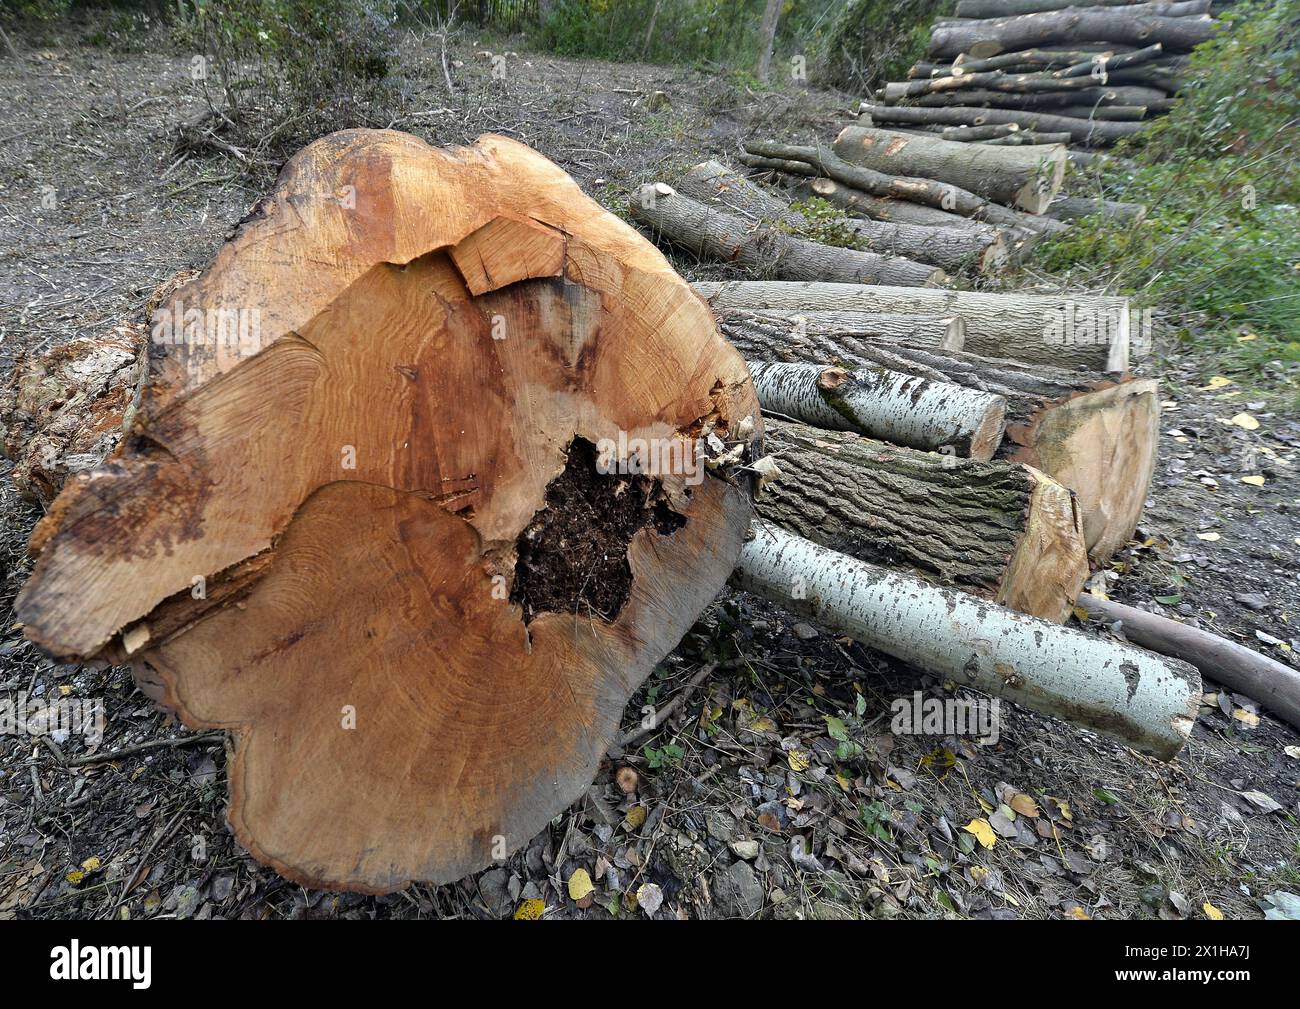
(1073, 208)
(999, 35)
(1001, 531)
(710, 232)
(1144, 700)
(984, 9)
(1028, 179)
(953, 249)
(1089, 331)
(767, 38)
(833, 333)
(1106, 113)
(1095, 434)
(1038, 59)
(300, 499)
(1043, 102)
(1089, 132)
(967, 134)
(889, 405)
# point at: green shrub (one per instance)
(1219, 252)
(874, 41)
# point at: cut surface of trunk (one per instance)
(345, 530)
(717, 234)
(889, 405)
(1028, 179)
(1002, 531)
(1142, 699)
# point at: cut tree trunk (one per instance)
(1089, 132)
(1028, 179)
(716, 234)
(1027, 138)
(831, 331)
(1146, 701)
(999, 35)
(967, 134)
(360, 537)
(953, 249)
(1010, 8)
(1089, 331)
(1002, 531)
(890, 405)
(1095, 435)
(1111, 94)
(1073, 208)
(1107, 113)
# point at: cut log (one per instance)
(402, 525)
(966, 134)
(1144, 700)
(1095, 434)
(1039, 59)
(999, 35)
(1111, 94)
(1002, 531)
(1099, 65)
(1089, 132)
(993, 80)
(1089, 331)
(1108, 113)
(1009, 8)
(829, 332)
(1074, 208)
(716, 234)
(1237, 667)
(1027, 178)
(890, 405)
(930, 192)
(953, 249)
(1028, 138)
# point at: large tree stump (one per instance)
(377, 538)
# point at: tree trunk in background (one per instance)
(767, 38)
(1000, 530)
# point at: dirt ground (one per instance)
(778, 789)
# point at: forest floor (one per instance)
(778, 789)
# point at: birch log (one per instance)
(837, 336)
(1002, 531)
(717, 234)
(884, 404)
(1087, 331)
(1144, 700)
(1083, 131)
(1027, 178)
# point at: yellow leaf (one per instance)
(1209, 537)
(75, 876)
(844, 782)
(64, 689)
(1079, 914)
(1024, 805)
(1245, 420)
(1254, 481)
(1217, 382)
(982, 831)
(530, 910)
(1246, 717)
(91, 864)
(762, 724)
(635, 817)
(580, 884)
(1080, 613)
(1247, 337)
(798, 760)
(1212, 912)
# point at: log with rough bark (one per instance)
(967, 134)
(1263, 679)
(716, 234)
(890, 405)
(953, 249)
(1108, 113)
(1010, 8)
(1093, 433)
(1028, 138)
(1144, 700)
(382, 518)
(1045, 102)
(1100, 65)
(845, 331)
(1133, 27)
(1027, 178)
(1089, 132)
(1089, 331)
(993, 80)
(929, 192)
(1002, 531)
(1074, 208)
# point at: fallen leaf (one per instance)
(1217, 382)
(649, 897)
(1212, 912)
(530, 910)
(1247, 718)
(1245, 420)
(580, 884)
(1262, 802)
(635, 817)
(1292, 751)
(1209, 537)
(1079, 914)
(798, 760)
(982, 831)
(1254, 481)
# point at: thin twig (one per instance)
(153, 744)
(663, 714)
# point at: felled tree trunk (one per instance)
(1043, 102)
(1095, 434)
(1003, 531)
(953, 249)
(1010, 8)
(1089, 132)
(1133, 27)
(1028, 179)
(830, 333)
(1144, 700)
(717, 234)
(891, 405)
(389, 530)
(1073, 208)
(1089, 331)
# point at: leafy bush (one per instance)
(1219, 252)
(874, 41)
